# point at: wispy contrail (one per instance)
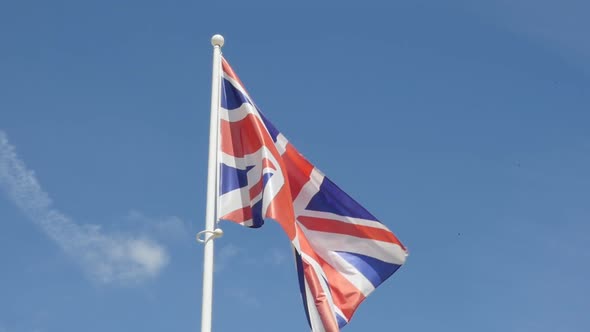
(106, 257)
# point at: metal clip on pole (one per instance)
(201, 236)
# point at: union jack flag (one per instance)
(342, 251)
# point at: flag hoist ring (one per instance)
(218, 232)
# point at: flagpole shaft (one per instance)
(206, 308)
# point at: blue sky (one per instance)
(464, 127)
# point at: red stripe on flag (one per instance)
(268, 164)
(344, 294)
(247, 136)
(320, 298)
(298, 169)
(340, 227)
(256, 189)
(239, 215)
(228, 70)
(243, 137)
(281, 210)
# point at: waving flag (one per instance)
(342, 251)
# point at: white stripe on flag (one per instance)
(384, 251)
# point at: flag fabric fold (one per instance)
(342, 252)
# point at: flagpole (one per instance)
(210, 233)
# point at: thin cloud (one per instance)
(167, 227)
(225, 256)
(228, 254)
(559, 25)
(107, 258)
(275, 256)
(243, 296)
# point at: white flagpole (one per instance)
(210, 233)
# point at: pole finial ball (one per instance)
(217, 40)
